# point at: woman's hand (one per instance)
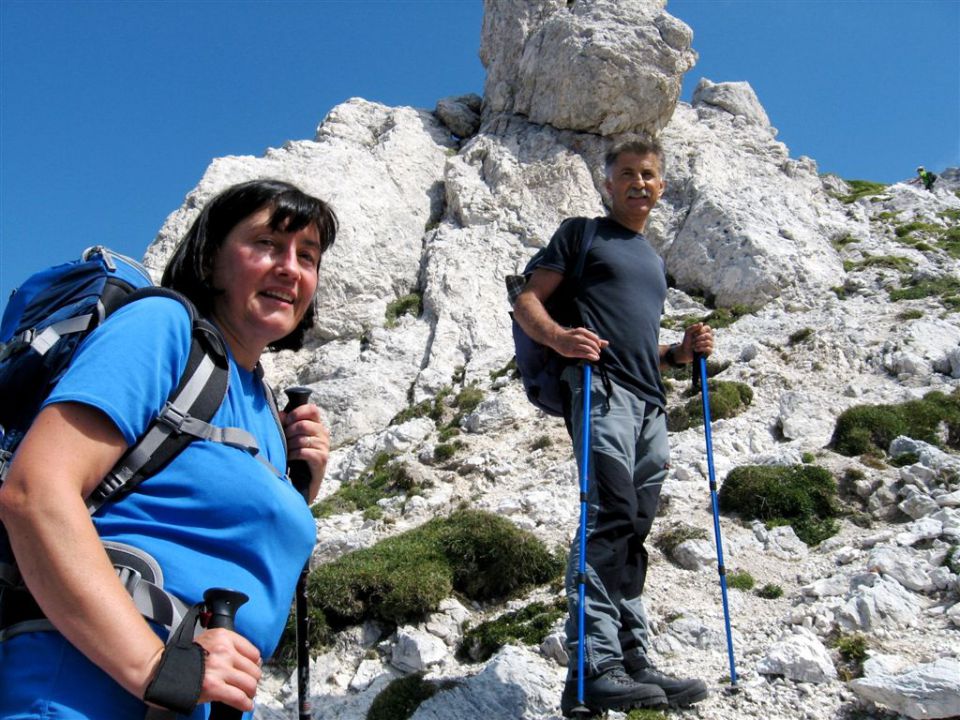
(308, 440)
(231, 669)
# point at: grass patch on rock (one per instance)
(865, 429)
(802, 496)
(891, 262)
(719, 318)
(852, 649)
(727, 400)
(860, 189)
(741, 580)
(432, 408)
(403, 578)
(770, 591)
(946, 288)
(411, 304)
(673, 536)
(529, 625)
(386, 478)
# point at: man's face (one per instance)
(634, 185)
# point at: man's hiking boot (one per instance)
(612, 690)
(680, 692)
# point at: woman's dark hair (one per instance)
(190, 270)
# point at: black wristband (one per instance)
(179, 677)
(670, 356)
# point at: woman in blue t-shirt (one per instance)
(216, 516)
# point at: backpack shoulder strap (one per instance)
(272, 404)
(586, 240)
(192, 403)
(187, 413)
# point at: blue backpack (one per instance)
(45, 322)
(539, 366)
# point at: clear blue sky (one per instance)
(110, 111)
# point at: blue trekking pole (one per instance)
(581, 710)
(702, 363)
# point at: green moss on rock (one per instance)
(803, 496)
(403, 578)
(871, 428)
(529, 625)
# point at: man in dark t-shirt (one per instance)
(621, 295)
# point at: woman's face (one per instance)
(268, 279)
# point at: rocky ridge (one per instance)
(446, 203)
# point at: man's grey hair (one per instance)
(637, 146)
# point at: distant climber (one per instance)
(926, 177)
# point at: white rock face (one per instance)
(601, 67)
(930, 690)
(720, 227)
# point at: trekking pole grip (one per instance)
(298, 470)
(221, 607)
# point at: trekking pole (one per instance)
(221, 607)
(581, 709)
(701, 362)
(299, 474)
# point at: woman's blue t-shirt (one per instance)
(215, 516)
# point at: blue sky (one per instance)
(111, 110)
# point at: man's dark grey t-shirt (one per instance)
(622, 291)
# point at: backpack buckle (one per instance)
(17, 343)
(173, 417)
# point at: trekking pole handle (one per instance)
(298, 470)
(222, 605)
(221, 608)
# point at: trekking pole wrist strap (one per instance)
(179, 677)
(670, 356)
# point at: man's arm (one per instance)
(697, 340)
(530, 311)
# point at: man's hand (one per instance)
(697, 340)
(579, 343)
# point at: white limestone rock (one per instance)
(928, 690)
(781, 542)
(416, 650)
(686, 633)
(447, 623)
(804, 417)
(554, 647)
(734, 238)
(876, 601)
(461, 114)
(514, 685)
(695, 555)
(903, 565)
(799, 656)
(918, 531)
(736, 98)
(602, 67)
